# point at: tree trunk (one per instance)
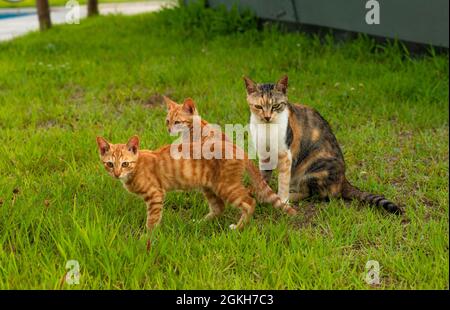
(43, 11)
(92, 8)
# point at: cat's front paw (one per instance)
(233, 226)
(288, 208)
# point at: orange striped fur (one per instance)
(150, 174)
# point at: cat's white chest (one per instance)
(269, 139)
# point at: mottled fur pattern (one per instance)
(316, 163)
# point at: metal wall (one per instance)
(419, 21)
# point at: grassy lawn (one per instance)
(32, 3)
(62, 88)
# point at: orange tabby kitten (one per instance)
(151, 174)
(180, 119)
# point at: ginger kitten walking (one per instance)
(150, 174)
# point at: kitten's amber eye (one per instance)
(110, 164)
(177, 122)
(258, 107)
(276, 106)
(125, 164)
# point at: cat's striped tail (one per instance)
(263, 192)
(351, 192)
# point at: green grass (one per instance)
(62, 88)
(32, 3)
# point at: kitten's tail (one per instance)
(263, 192)
(351, 192)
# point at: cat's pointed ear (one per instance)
(103, 145)
(133, 144)
(189, 106)
(250, 85)
(282, 84)
(170, 104)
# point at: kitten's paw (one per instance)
(291, 211)
(233, 226)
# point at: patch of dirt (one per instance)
(136, 95)
(428, 202)
(405, 135)
(359, 245)
(47, 124)
(65, 123)
(399, 181)
(306, 212)
(77, 93)
(405, 221)
(156, 99)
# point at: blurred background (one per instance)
(413, 21)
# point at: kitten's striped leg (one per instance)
(216, 205)
(266, 174)
(239, 197)
(284, 175)
(247, 212)
(154, 200)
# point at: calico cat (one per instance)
(150, 174)
(308, 156)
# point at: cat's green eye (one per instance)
(258, 107)
(125, 164)
(110, 164)
(277, 106)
